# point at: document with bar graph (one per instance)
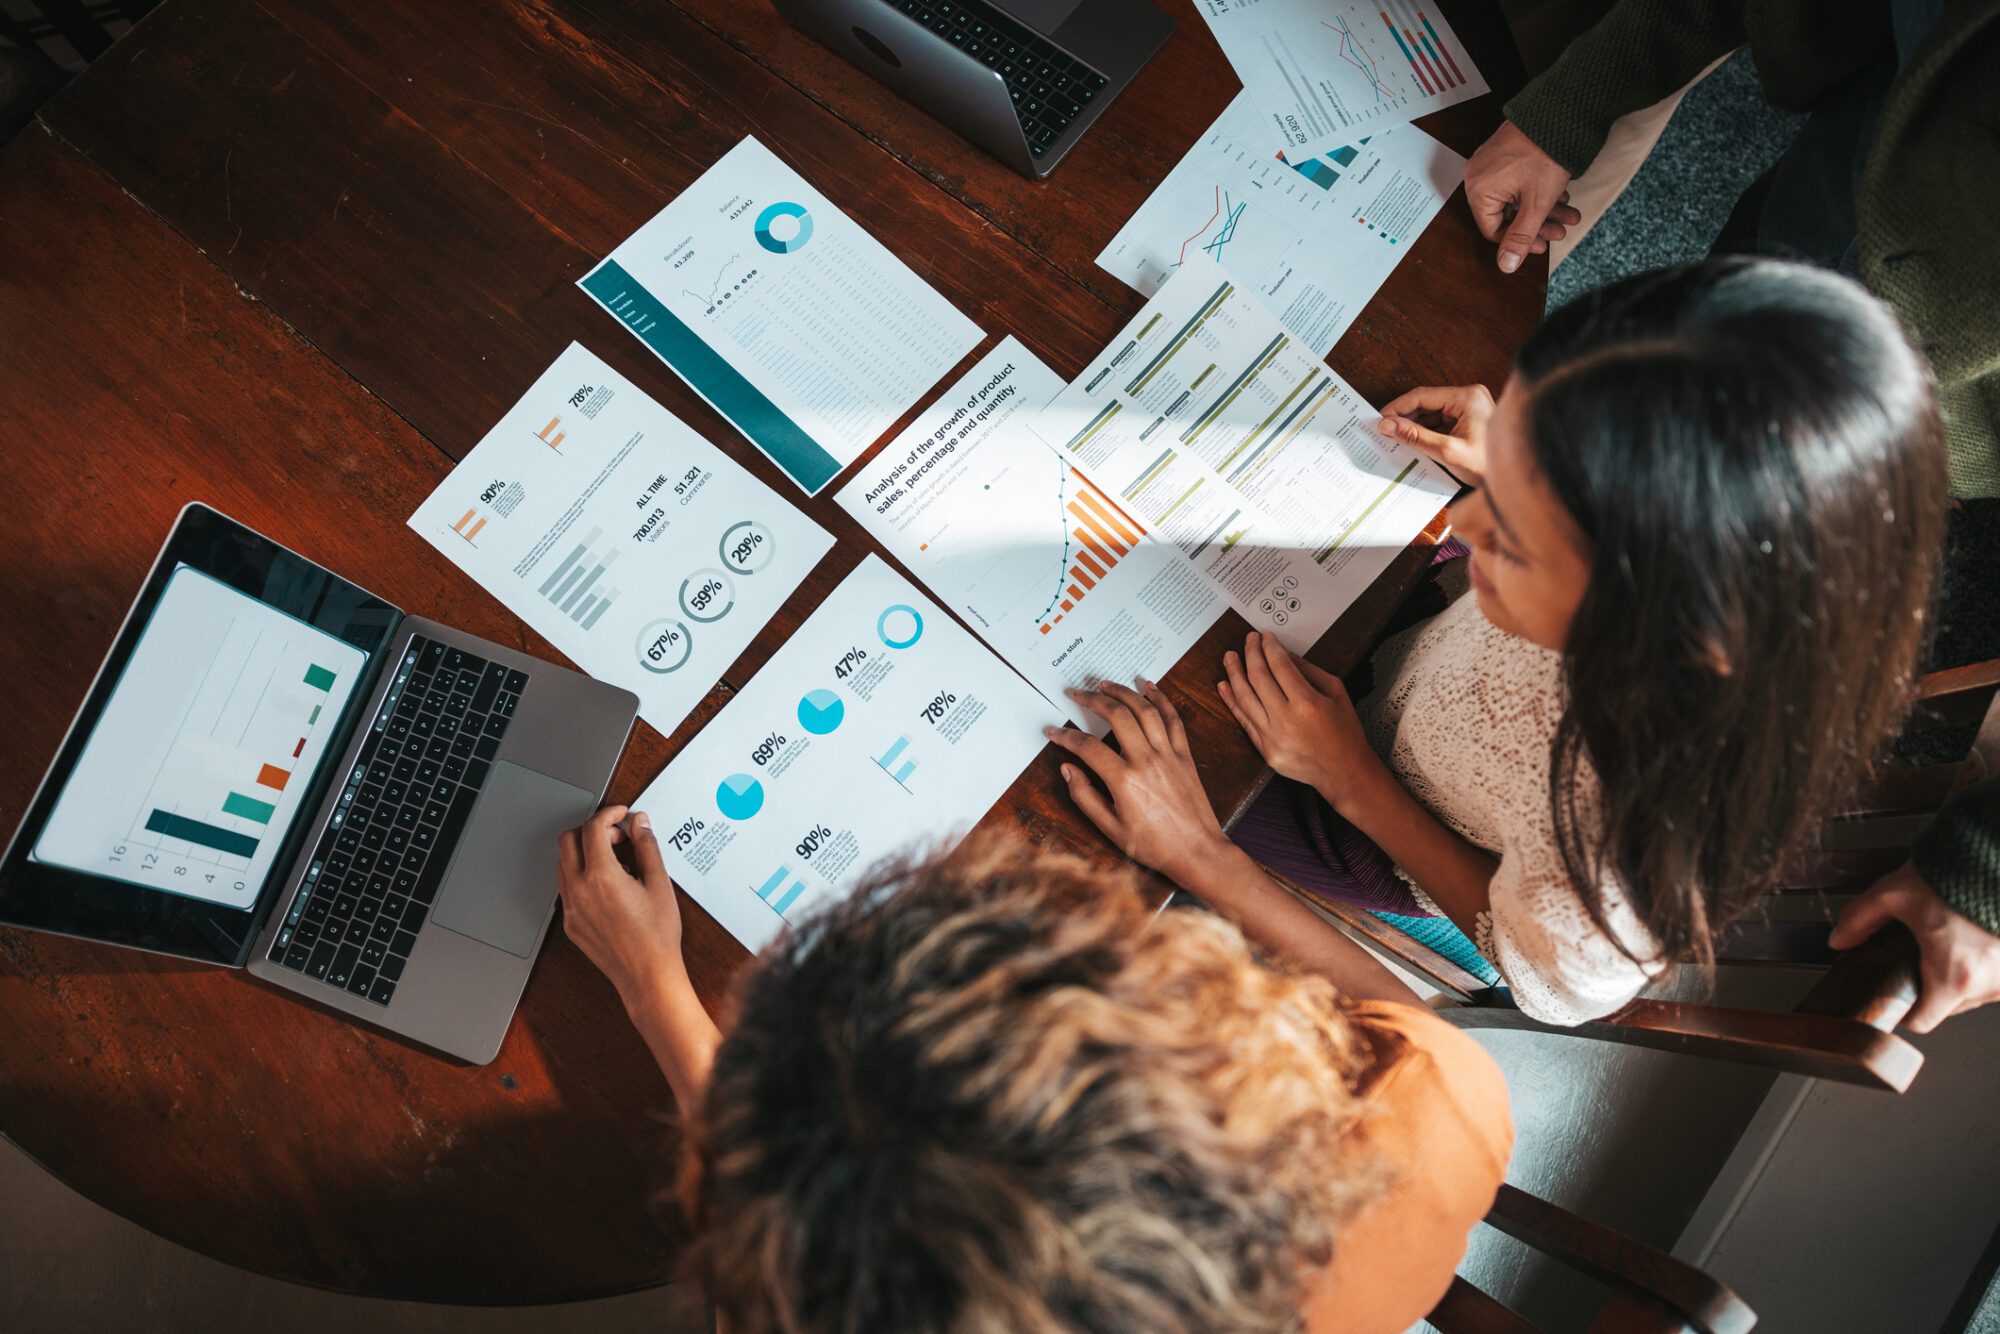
(1058, 578)
(879, 727)
(1209, 422)
(632, 544)
(206, 746)
(1324, 71)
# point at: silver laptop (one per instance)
(278, 770)
(1023, 79)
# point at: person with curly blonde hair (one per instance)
(993, 1091)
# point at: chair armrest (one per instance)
(1625, 1263)
(1464, 1309)
(1875, 983)
(1823, 1046)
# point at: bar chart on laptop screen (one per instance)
(206, 747)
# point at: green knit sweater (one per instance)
(1929, 208)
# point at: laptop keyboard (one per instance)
(1048, 87)
(369, 886)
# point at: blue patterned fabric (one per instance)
(1440, 936)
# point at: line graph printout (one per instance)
(1058, 577)
(1323, 72)
(1211, 424)
(781, 311)
(206, 747)
(1313, 235)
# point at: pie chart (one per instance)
(820, 712)
(784, 227)
(739, 797)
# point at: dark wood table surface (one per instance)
(292, 259)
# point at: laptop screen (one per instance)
(206, 747)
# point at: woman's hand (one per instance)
(1446, 423)
(628, 924)
(1299, 718)
(1958, 960)
(1156, 810)
(1519, 196)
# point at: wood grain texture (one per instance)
(291, 259)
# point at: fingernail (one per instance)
(1144, 684)
(640, 820)
(1386, 425)
(1068, 772)
(1509, 261)
(1052, 732)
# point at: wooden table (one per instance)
(292, 259)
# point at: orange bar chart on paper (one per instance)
(1104, 535)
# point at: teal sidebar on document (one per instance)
(881, 726)
(629, 542)
(776, 307)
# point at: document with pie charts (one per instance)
(629, 542)
(880, 727)
(781, 311)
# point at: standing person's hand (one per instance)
(1445, 422)
(1959, 966)
(1519, 196)
(1153, 805)
(1298, 717)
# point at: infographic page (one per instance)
(781, 311)
(880, 726)
(1214, 426)
(632, 544)
(1056, 575)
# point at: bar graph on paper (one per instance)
(577, 584)
(1098, 535)
(206, 747)
(1324, 72)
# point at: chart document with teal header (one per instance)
(781, 311)
(880, 726)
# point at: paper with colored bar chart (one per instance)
(1323, 72)
(1314, 235)
(880, 726)
(1215, 427)
(776, 307)
(632, 544)
(1056, 576)
(207, 745)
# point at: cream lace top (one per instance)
(1465, 713)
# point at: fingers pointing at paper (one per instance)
(1151, 803)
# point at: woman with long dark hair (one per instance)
(1708, 511)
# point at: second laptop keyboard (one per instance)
(368, 889)
(1050, 88)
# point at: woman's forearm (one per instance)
(1239, 889)
(681, 1036)
(1457, 875)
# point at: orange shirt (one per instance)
(1439, 1119)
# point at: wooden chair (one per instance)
(1651, 1292)
(1844, 1029)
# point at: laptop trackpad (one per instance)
(503, 880)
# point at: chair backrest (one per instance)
(1651, 1291)
(1844, 1029)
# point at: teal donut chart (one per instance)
(889, 637)
(784, 208)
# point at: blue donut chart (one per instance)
(784, 208)
(889, 636)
